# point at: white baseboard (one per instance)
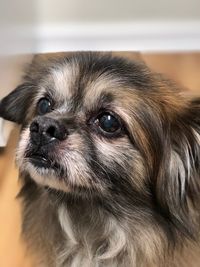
(137, 36)
(145, 36)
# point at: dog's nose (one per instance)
(44, 130)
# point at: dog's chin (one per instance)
(49, 169)
(45, 173)
(51, 174)
(43, 162)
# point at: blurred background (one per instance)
(165, 34)
(43, 25)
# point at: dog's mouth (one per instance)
(41, 160)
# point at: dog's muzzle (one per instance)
(45, 130)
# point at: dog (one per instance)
(109, 160)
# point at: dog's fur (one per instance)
(120, 200)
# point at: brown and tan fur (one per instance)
(121, 200)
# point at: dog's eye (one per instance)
(44, 106)
(108, 123)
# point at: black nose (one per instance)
(44, 130)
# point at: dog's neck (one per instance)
(95, 235)
(100, 238)
(83, 232)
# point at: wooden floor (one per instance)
(185, 68)
(12, 250)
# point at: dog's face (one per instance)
(94, 124)
(77, 130)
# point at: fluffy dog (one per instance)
(109, 159)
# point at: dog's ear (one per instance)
(14, 106)
(178, 183)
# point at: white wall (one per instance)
(18, 23)
(18, 12)
(60, 11)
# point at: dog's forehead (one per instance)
(89, 81)
(70, 83)
(64, 79)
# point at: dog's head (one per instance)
(97, 125)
